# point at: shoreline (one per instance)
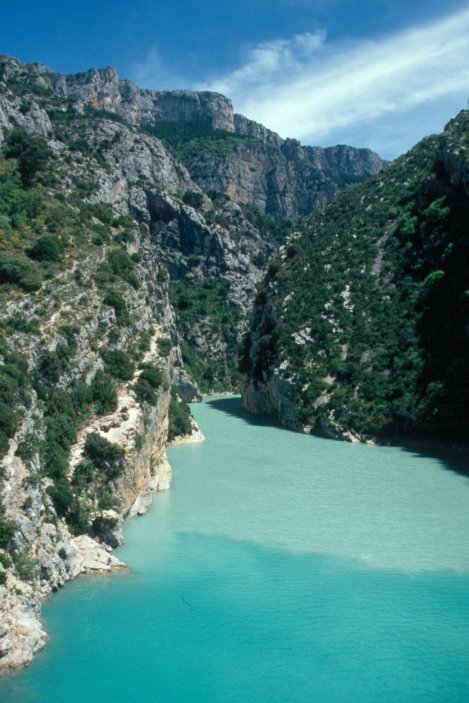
(23, 634)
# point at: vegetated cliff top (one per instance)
(361, 325)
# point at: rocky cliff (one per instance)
(361, 325)
(255, 166)
(279, 177)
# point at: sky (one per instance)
(371, 73)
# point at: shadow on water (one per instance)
(233, 405)
(452, 458)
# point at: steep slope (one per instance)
(88, 352)
(361, 325)
(109, 160)
(112, 132)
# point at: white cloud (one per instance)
(152, 72)
(307, 88)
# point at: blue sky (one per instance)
(381, 73)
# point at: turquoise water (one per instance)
(278, 568)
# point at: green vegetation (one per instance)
(24, 274)
(193, 198)
(149, 381)
(272, 230)
(13, 392)
(118, 364)
(179, 416)
(191, 139)
(46, 249)
(115, 300)
(32, 155)
(204, 311)
(103, 393)
(27, 566)
(103, 456)
(7, 529)
(363, 312)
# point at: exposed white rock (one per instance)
(96, 558)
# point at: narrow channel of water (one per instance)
(278, 568)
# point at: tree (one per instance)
(31, 152)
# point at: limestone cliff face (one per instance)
(277, 176)
(43, 547)
(102, 89)
(280, 177)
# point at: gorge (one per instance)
(138, 229)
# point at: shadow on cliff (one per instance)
(234, 406)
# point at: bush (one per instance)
(118, 363)
(193, 198)
(54, 363)
(84, 472)
(20, 272)
(179, 416)
(27, 567)
(147, 384)
(46, 249)
(104, 393)
(78, 517)
(164, 346)
(8, 422)
(31, 152)
(116, 301)
(7, 530)
(61, 495)
(121, 263)
(105, 456)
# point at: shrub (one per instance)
(84, 472)
(31, 152)
(27, 567)
(120, 262)
(193, 198)
(27, 504)
(78, 517)
(164, 346)
(3, 577)
(147, 384)
(179, 416)
(20, 272)
(54, 363)
(7, 530)
(61, 495)
(116, 301)
(46, 249)
(106, 456)
(118, 363)
(104, 393)
(8, 422)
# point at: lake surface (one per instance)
(279, 568)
